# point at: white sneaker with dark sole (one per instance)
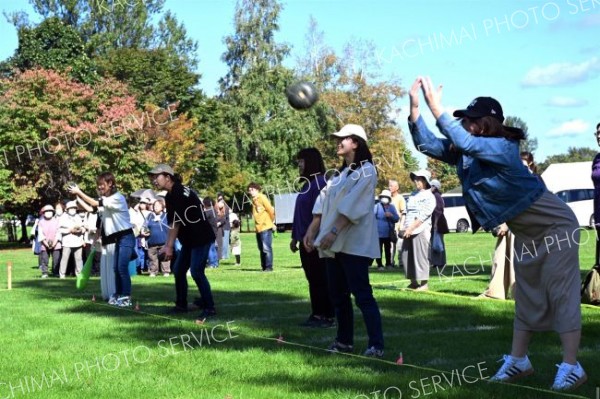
(513, 369)
(569, 376)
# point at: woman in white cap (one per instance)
(345, 232)
(71, 229)
(387, 216)
(498, 188)
(417, 231)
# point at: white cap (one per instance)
(386, 193)
(349, 130)
(71, 204)
(421, 173)
(436, 183)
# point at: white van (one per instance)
(456, 212)
(581, 202)
(572, 183)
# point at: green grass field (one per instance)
(56, 343)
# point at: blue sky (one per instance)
(540, 59)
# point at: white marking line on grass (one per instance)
(313, 348)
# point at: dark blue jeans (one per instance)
(193, 258)
(124, 248)
(264, 240)
(349, 274)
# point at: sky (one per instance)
(540, 59)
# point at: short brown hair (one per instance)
(109, 179)
(254, 186)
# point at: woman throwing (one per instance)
(497, 189)
(118, 241)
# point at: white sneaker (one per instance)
(568, 376)
(513, 369)
(124, 302)
(112, 300)
(152, 274)
(166, 274)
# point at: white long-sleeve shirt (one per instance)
(420, 205)
(66, 223)
(349, 193)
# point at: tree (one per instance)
(53, 45)
(445, 173)
(574, 154)
(529, 144)
(130, 40)
(353, 91)
(155, 76)
(109, 24)
(54, 130)
(262, 133)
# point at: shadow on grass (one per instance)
(426, 327)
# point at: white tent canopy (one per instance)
(566, 176)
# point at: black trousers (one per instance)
(386, 243)
(315, 270)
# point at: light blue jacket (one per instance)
(496, 185)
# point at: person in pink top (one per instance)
(50, 238)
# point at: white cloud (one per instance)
(573, 127)
(562, 73)
(564, 102)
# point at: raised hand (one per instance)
(413, 94)
(433, 97)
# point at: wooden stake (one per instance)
(9, 266)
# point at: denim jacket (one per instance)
(496, 185)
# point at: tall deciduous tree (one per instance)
(53, 45)
(54, 130)
(133, 41)
(264, 132)
(354, 91)
(154, 76)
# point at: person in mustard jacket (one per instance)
(264, 216)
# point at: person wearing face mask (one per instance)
(387, 216)
(71, 229)
(50, 238)
(417, 231)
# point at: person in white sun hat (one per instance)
(387, 216)
(417, 231)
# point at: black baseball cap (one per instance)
(488, 106)
(480, 107)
